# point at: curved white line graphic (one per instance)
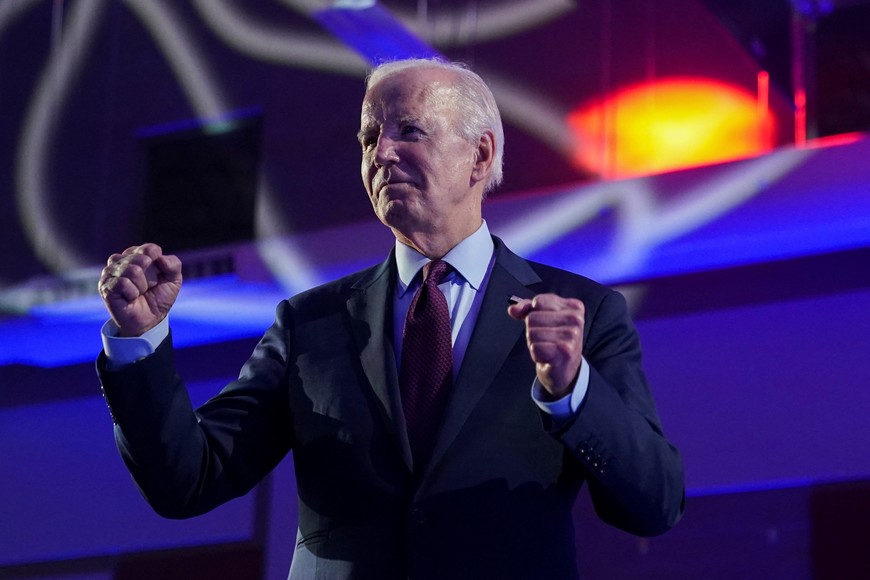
(43, 232)
(45, 235)
(12, 9)
(478, 23)
(275, 45)
(643, 222)
(292, 270)
(531, 112)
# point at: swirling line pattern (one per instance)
(54, 248)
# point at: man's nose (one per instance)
(385, 151)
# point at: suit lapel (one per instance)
(494, 336)
(370, 308)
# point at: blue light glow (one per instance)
(800, 209)
(374, 33)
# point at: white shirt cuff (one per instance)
(563, 408)
(122, 351)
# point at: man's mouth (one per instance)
(393, 182)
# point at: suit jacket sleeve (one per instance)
(185, 462)
(635, 475)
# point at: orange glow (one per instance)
(670, 124)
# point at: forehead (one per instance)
(406, 93)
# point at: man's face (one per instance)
(416, 167)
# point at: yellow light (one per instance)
(669, 124)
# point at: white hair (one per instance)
(471, 98)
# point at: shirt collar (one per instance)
(470, 258)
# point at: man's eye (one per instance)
(411, 130)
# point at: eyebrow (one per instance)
(412, 120)
(404, 120)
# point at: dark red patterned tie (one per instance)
(426, 372)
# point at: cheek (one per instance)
(365, 173)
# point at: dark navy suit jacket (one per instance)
(496, 499)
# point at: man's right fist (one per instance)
(139, 286)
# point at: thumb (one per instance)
(519, 310)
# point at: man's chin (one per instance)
(394, 214)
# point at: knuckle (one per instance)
(134, 269)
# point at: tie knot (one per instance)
(437, 271)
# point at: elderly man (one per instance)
(444, 407)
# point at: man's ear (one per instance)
(484, 155)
